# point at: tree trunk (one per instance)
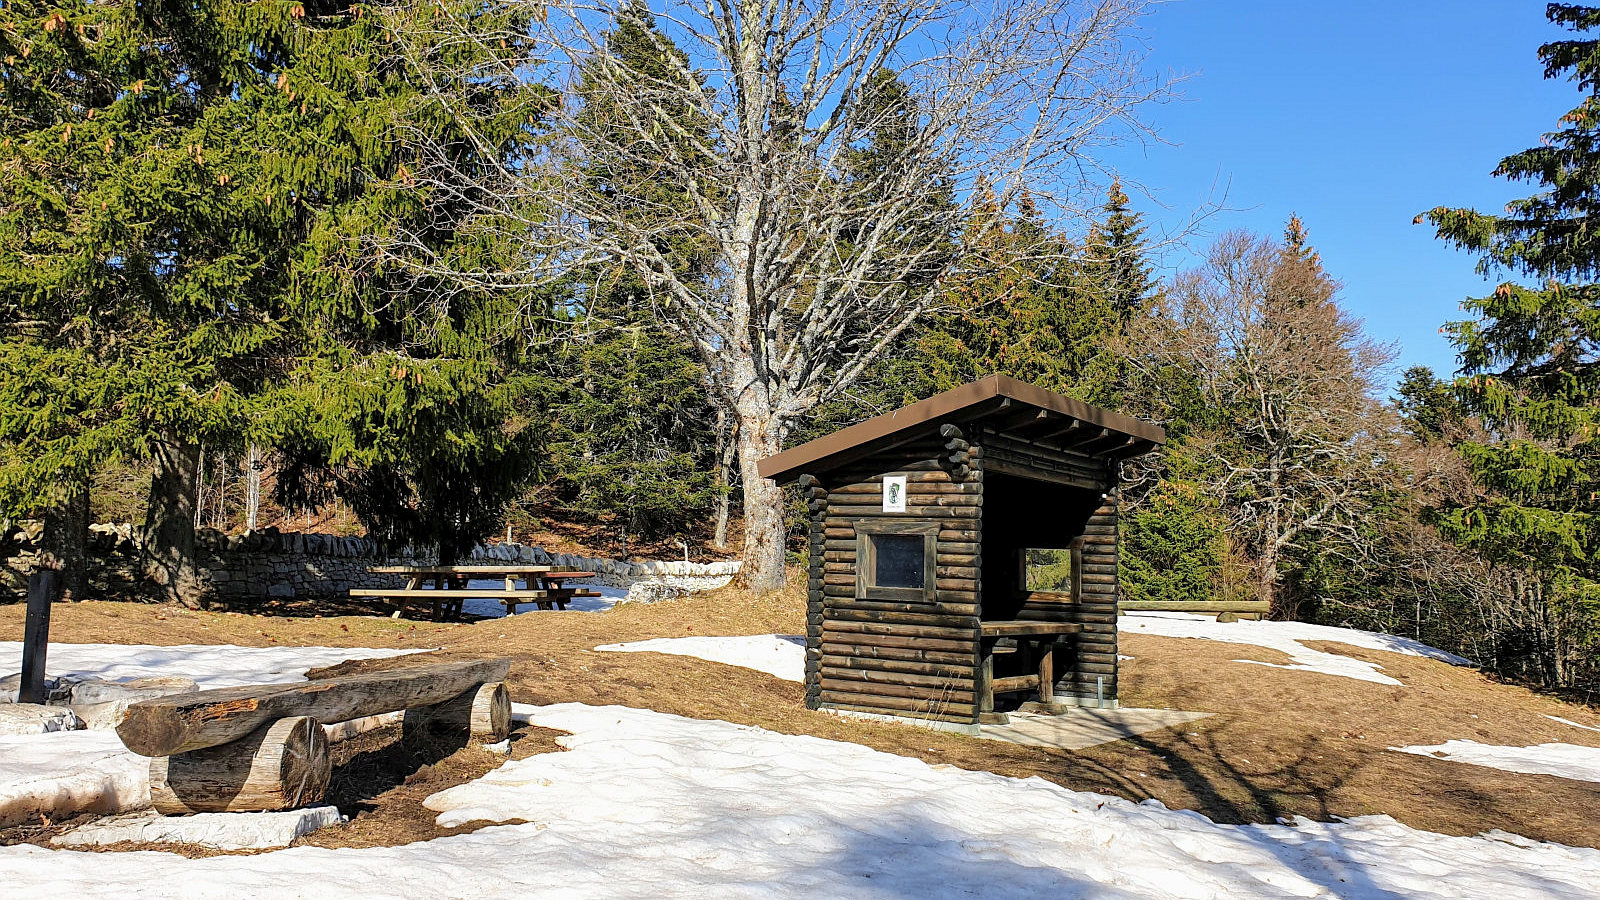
(252, 504)
(169, 553)
(1267, 582)
(764, 527)
(726, 447)
(66, 541)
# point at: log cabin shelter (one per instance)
(963, 555)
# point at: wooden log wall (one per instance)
(905, 658)
(817, 502)
(1096, 654)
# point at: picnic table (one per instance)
(542, 586)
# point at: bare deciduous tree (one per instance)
(1291, 430)
(742, 155)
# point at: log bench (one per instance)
(262, 747)
(1225, 610)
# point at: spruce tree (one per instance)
(632, 440)
(195, 201)
(1118, 252)
(1530, 370)
(1044, 309)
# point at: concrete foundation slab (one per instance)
(220, 831)
(1061, 726)
(1082, 727)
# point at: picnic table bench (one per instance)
(541, 586)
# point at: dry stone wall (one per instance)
(240, 568)
(690, 576)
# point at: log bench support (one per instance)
(483, 714)
(283, 765)
(247, 749)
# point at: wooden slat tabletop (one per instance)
(477, 570)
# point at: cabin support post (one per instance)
(1047, 676)
(986, 685)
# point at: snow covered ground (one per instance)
(780, 655)
(74, 771)
(1573, 761)
(66, 772)
(1286, 637)
(645, 804)
(211, 666)
(494, 609)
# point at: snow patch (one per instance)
(220, 831)
(65, 772)
(779, 655)
(1572, 723)
(649, 805)
(60, 773)
(210, 665)
(491, 608)
(1573, 761)
(1286, 638)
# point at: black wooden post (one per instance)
(36, 635)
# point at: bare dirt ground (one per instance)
(1282, 742)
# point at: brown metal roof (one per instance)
(998, 398)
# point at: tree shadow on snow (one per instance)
(913, 858)
(1226, 793)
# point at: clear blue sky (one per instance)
(1357, 115)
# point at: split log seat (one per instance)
(262, 747)
(1038, 641)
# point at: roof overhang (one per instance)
(1005, 402)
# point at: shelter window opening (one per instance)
(1050, 572)
(896, 560)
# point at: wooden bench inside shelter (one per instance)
(1037, 642)
(262, 747)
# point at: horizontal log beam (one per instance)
(845, 649)
(1238, 606)
(1014, 684)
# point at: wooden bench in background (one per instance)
(262, 747)
(1225, 610)
(542, 587)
